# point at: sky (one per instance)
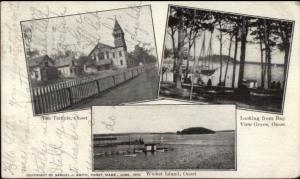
(82, 32)
(252, 50)
(161, 118)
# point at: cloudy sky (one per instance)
(82, 32)
(161, 118)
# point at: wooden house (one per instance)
(42, 68)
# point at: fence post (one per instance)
(124, 74)
(98, 86)
(35, 100)
(68, 86)
(114, 80)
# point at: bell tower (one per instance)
(118, 35)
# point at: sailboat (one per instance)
(207, 67)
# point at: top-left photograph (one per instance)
(91, 59)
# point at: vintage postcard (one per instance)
(99, 58)
(82, 95)
(183, 137)
(226, 58)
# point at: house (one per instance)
(69, 66)
(104, 57)
(42, 68)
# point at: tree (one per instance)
(229, 57)
(244, 33)
(284, 30)
(236, 46)
(258, 34)
(194, 27)
(178, 19)
(220, 22)
(140, 54)
(173, 23)
(231, 30)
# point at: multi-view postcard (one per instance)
(223, 58)
(185, 137)
(99, 58)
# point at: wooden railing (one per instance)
(58, 96)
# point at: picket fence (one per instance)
(59, 96)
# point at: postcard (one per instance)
(226, 58)
(181, 137)
(98, 58)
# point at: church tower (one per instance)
(118, 34)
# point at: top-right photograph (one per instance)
(226, 58)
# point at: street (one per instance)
(143, 87)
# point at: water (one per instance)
(252, 72)
(206, 151)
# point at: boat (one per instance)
(130, 155)
(208, 72)
(163, 149)
(138, 150)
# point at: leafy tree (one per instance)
(141, 55)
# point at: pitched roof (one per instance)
(38, 60)
(117, 27)
(64, 61)
(100, 45)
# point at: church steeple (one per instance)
(118, 34)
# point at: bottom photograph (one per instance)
(162, 137)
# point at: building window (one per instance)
(107, 55)
(36, 74)
(114, 55)
(120, 53)
(121, 61)
(46, 64)
(101, 55)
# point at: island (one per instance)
(196, 130)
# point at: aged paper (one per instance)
(58, 144)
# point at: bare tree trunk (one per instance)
(268, 53)
(234, 59)
(269, 72)
(243, 51)
(286, 59)
(229, 52)
(187, 64)
(174, 56)
(179, 49)
(221, 58)
(262, 84)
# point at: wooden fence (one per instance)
(56, 97)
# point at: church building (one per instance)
(104, 57)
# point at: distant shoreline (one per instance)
(141, 133)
